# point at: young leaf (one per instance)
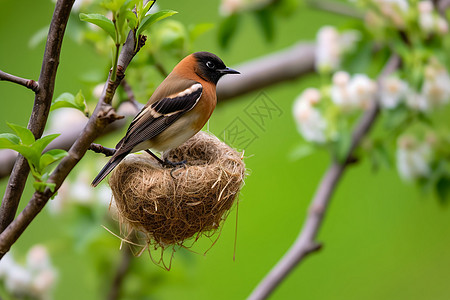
(7, 140)
(50, 157)
(150, 19)
(102, 22)
(131, 18)
(80, 102)
(227, 28)
(25, 135)
(43, 142)
(71, 101)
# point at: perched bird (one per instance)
(176, 111)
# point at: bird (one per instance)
(178, 109)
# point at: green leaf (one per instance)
(443, 189)
(227, 29)
(50, 157)
(265, 19)
(132, 19)
(102, 22)
(8, 139)
(25, 135)
(71, 101)
(80, 101)
(199, 29)
(43, 142)
(150, 19)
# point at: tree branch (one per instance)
(41, 108)
(101, 117)
(288, 64)
(97, 148)
(28, 83)
(305, 243)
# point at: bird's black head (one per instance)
(210, 67)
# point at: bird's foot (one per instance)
(170, 164)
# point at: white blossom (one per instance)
(229, 7)
(412, 158)
(416, 101)
(310, 122)
(38, 258)
(436, 86)
(18, 280)
(393, 90)
(352, 93)
(43, 283)
(331, 45)
(6, 264)
(339, 90)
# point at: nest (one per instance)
(172, 205)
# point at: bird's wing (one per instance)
(156, 117)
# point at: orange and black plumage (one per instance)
(177, 110)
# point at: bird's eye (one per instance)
(210, 65)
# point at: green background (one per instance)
(383, 239)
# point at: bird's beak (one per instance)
(228, 71)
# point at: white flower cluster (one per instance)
(81, 192)
(34, 280)
(352, 92)
(331, 45)
(429, 20)
(413, 158)
(310, 122)
(357, 92)
(435, 90)
(397, 11)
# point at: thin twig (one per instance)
(101, 117)
(28, 83)
(97, 148)
(335, 7)
(41, 108)
(130, 94)
(306, 241)
(122, 270)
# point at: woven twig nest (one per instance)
(172, 207)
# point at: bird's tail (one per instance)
(110, 165)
